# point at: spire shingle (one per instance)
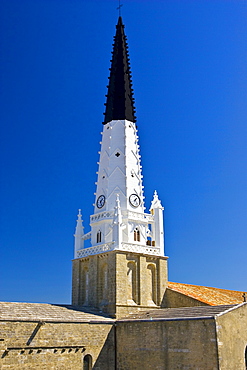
(120, 100)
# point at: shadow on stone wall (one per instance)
(172, 299)
(106, 358)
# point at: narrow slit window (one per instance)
(87, 362)
(99, 236)
(137, 235)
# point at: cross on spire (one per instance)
(119, 7)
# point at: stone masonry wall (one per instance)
(232, 339)
(166, 345)
(146, 290)
(176, 299)
(55, 346)
(119, 282)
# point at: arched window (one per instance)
(132, 281)
(87, 362)
(84, 287)
(152, 282)
(137, 235)
(102, 287)
(246, 357)
(99, 236)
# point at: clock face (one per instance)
(134, 200)
(100, 201)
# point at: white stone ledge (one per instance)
(103, 215)
(101, 248)
(146, 217)
(139, 248)
(128, 247)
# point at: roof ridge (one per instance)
(231, 309)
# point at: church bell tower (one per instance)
(124, 270)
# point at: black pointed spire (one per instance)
(120, 99)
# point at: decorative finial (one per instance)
(156, 202)
(79, 232)
(117, 201)
(79, 214)
(119, 8)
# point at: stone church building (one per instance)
(125, 314)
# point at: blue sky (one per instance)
(188, 60)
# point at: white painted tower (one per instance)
(119, 221)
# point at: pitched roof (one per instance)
(208, 295)
(182, 313)
(22, 311)
(120, 99)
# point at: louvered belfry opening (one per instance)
(120, 97)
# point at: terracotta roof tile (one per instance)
(208, 295)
